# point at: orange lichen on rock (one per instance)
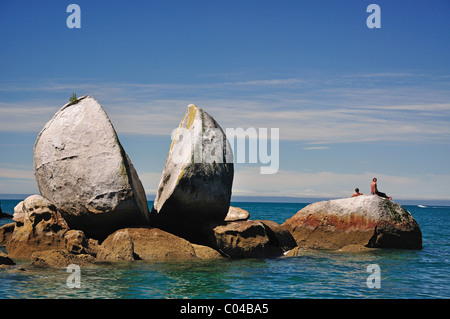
(369, 221)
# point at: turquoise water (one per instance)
(315, 274)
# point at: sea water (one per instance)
(314, 274)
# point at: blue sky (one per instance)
(350, 102)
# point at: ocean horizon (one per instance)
(277, 199)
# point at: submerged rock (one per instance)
(195, 186)
(43, 228)
(81, 167)
(251, 238)
(60, 258)
(293, 252)
(356, 249)
(370, 221)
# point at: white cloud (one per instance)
(17, 181)
(313, 125)
(313, 110)
(319, 114)
(16, 173)
(316, 148)
(150, 181)
(25, 116)
(274, 82)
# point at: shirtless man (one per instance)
(357, 193)
(374, 189)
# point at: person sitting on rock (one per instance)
(374, 189)
(357, 193)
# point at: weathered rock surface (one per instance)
(145, 243)
(195, 186)
(76, 242)
(293, 252)
(81, 167)
(60, 258)
(251, 238)
(117, 246)
(43, 228)
(5, 233)
(237, 214)
(19, 214)
(205, 252)
(370, 221)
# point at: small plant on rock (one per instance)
(73, 99)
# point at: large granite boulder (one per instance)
(145, 243)
(43, 228)
(251, 239)
(369, 220)
(195, 187)
(153, 243)
(81, 167)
